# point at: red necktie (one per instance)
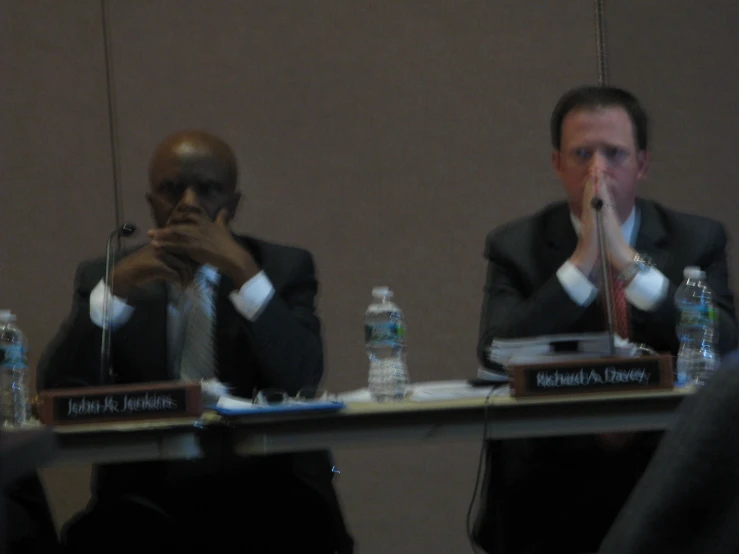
(620, 306)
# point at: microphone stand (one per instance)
(597, 204)
(111, 249)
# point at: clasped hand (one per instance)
(586, 256)
(189, 240)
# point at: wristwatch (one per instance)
(640, 264)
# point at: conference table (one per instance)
(364, 424)
(357, 424)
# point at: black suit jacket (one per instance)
(687, 502)
(523, 296)
(559, 483)
(281, 349)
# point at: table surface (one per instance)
(22, 451)
(369, 424)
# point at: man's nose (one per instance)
(188, 203)
(189, 198)
(598, 163)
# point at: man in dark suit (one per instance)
(687, 502)
(197, 302)
(561, 495)
(28, 525)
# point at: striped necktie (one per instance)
(197, 360)
(620, 306)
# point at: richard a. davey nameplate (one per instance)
(120, 403)
(592, 375)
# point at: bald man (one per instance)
(254, 302)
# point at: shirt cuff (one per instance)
(647, 289)
(577, 286)
(253, 296)
(118, 311)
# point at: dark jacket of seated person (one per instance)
(578, 482)
(543, 278)
(264, 333)
(29, 526)
(687, 502)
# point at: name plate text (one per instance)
(120, 403)
(593, 375)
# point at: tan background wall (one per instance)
(387, 137)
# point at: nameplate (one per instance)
(592, 375)
(120, 403)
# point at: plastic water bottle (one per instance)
(14, 375)
(697, 329)
(385, 341)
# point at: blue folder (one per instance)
(288, 407)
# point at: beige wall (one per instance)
(387, 137)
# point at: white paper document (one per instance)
(431, 391)
(454, 390)
(558, 348)
(502, 350)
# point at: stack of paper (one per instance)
(452, 390)
(499, 376)
(430, 391)
(505, 352)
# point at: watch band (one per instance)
(639, 264)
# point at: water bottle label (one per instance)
(389, 332)
(698, 315)
(13, 355)
(713, 314)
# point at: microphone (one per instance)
(125, 230)
(597, 204)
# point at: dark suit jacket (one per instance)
(687, 502)
(524, 298)
(281, 349)
(560, 481)
(28, 525)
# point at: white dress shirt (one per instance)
(249, 301)
(645, 291)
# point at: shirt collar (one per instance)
(627, 227)
(206, 271)
(210, 273)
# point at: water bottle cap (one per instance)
(694, 272)
(6, 315)
(382, 292)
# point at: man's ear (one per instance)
(150, 201)
(557, 161)
(643, 161)
(233, 206)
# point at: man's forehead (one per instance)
(193, 156)
(191, 149)
(189, 160)
(601, 124)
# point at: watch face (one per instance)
(644, 262)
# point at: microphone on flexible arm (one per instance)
(597, 204)
(111, 248)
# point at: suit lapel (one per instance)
(159, 324)
(226, 326)
(147, 333)
(227, 319)
(652, 239)
(230, 348)
(560, 237)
